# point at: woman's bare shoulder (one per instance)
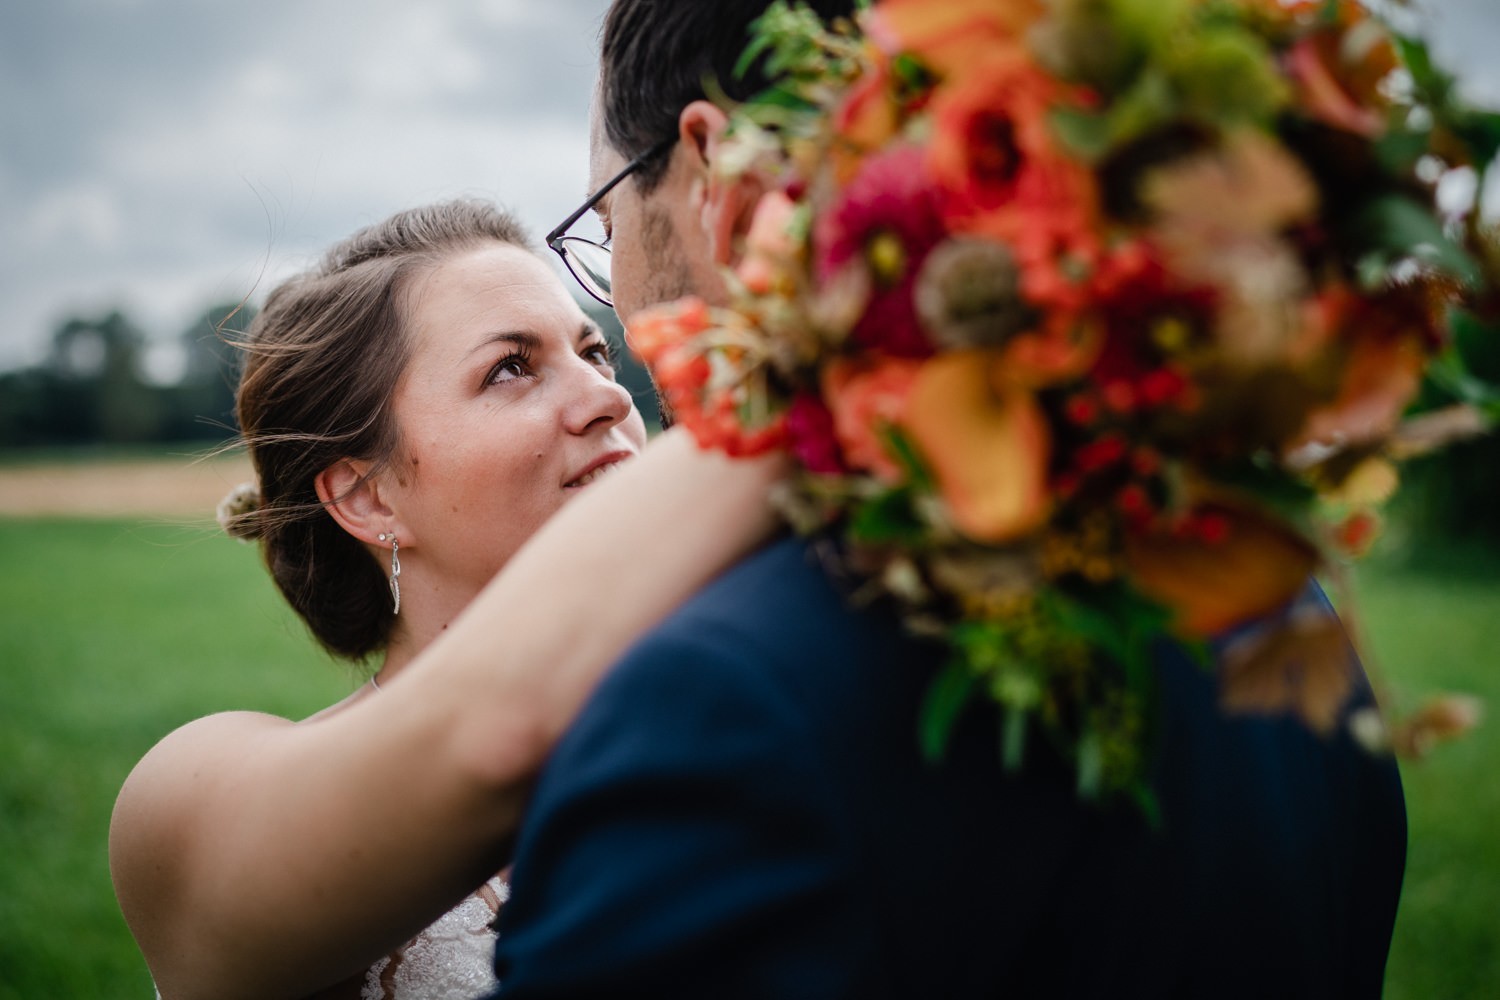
(173, 797)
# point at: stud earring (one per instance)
(395, 568)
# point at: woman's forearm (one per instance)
(331, 841)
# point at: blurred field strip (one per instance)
(181, 488)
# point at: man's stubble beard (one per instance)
(669, 277)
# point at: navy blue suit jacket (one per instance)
(741, 811)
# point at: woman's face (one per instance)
(508, 408)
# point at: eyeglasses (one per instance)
(586, 259)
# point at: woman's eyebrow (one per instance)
(521, 338)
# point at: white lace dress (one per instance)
(454, 959)
(451, 960)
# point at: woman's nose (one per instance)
(598, 401)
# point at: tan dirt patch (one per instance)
(179, 488)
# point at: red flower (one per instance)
(887, 222)
(810, 437)
(1000, 173)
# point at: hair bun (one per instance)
(238, 512)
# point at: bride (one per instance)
(417, 407)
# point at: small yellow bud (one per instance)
(886, 256)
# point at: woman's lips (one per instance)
(600, 466)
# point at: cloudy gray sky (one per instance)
(159, 155)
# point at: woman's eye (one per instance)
(508, 370)
(602, 355)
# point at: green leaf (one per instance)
(1090, 766)
(944, 702)
(1479, 130)
(1449, 372)
(1149, 805)
(760, 42)
(1148, 104)
(1013, 739)
(1405, 229)
(1399, 149)
(1095, 626)
(887, 517)
(900, 448)
(1085, 134)
(1431, 84)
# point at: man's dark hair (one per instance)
(656, 55)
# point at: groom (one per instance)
(742, 811)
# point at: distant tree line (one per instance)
(98, 385)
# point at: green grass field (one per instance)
(113, 633)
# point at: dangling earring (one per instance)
(395, 568)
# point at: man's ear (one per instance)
(725, 205)
(352, 497)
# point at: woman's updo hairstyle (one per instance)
(322, 361)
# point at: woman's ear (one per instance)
(351, 495)
(725, 205)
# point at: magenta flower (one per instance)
(886, 222)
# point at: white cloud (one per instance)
(172, 153)
(78, 216)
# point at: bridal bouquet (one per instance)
(1090, 322)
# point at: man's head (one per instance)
(672, 223)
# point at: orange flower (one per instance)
(867, 119)
(653, 332)
(1338, 71)
(1001, 175)
(865, 398)
(665, 338)
(1063, 349)
(986, 443)
(1250, 567)
(1381, 376)
(948, 37)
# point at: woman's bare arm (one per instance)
(258, 857)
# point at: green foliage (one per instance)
(114, 633)
(1477, 129)
(945, 701)
(887, 517)
(1395, 229)
(798, 48)
(1224, 75)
